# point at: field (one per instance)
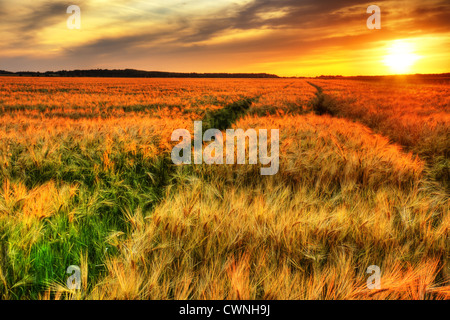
(86, 179)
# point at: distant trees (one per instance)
(132, 73)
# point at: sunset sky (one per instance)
(285, 37)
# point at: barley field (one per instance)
(86, 179)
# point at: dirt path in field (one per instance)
(322, 103)
(223, 118)
(437, 164)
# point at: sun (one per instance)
(400, 57)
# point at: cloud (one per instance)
(24, 22)
(204, 33)
(44, 15)
(193, 34)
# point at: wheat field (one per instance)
(86, 179)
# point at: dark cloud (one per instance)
(44, 15)
(26, 23)
(2, 6)
(299, 15)
(432, 18)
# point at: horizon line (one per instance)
(4, 72)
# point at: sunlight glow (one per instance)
(400, 57)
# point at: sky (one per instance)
(283, 37)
